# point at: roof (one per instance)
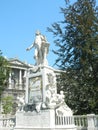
(15, 62)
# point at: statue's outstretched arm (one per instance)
(30, 47)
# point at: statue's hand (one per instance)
(27, 49)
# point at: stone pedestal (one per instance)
(49, 111)
(38, 81)
(34, 120)
(44, 120)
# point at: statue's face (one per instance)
(37, 32)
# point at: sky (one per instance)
(19, 20)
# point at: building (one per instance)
(16, 86)
(17, 81)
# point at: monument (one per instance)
(43, 107)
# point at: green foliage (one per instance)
(4, 73)
(76, 38)
(7, 103)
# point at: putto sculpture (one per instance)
(41, 48)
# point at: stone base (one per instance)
(29, 120)
(44, 120)
(45, 129)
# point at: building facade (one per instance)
(16, 85)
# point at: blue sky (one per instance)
(19, 20)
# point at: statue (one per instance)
(52, 98)
(21, 103)
(41, 48)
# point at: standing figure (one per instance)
(38, 44)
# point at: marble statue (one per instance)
(21, 103)
(43, 107)
(41, 48)
(64, 110)
(53, 99)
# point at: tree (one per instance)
(4, 73)
(7, 103)
(76, 38)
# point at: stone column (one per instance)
(90, 120)
(10, 80)
(27, 84)
(20, 79)
(25, 72)
(24, 80)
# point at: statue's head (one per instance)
(38, 32)
(62, 92)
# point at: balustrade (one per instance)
(7, 122)
(81, 121)
(64, 120)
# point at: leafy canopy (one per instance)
(7, 103)
(76, 40)
(4, 73)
